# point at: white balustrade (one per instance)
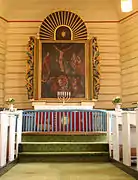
(128, 118)
(3, 138)
(115, 136)
(122, 133)
(7, 135)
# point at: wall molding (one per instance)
(2, 18)
(87, 21)
(128, 17)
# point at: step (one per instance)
(66, 137)
(64, 143)
(63, 147)
(62, 153)
(63, 157)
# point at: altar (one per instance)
(43, 105)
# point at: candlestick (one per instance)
(63, 96)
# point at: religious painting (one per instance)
(62, 68)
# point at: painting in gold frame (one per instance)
(62, 66)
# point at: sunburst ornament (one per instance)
(63, 18)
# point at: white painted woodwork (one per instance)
(126, 138)
(3, 138)
(7, 140)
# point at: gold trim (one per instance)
(64, 22)
(46, 26)
(58, 22)
(44, 30)
(38, 70)
(54, 20)
(77, 24)
(87, 72)
(62, 17)
(91, 70)
(59, 18)
(72, 20)
(35, 69)
(61, 26)
(51, 21)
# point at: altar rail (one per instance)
(64, 121)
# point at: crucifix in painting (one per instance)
(62, 69)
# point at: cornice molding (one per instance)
(98, 21)
(87, 22)
(2, 18)
(31, 21)
(129, 16)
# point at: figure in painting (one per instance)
(61, 56)
(63, 83)
(75, 66)
(46, 67)
(77, 88)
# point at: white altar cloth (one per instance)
(41, 105)
(44, 107)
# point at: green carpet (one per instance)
(64, 148)
(64, 138)
(65, 171)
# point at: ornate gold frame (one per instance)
(38, 71)
(94, 68)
